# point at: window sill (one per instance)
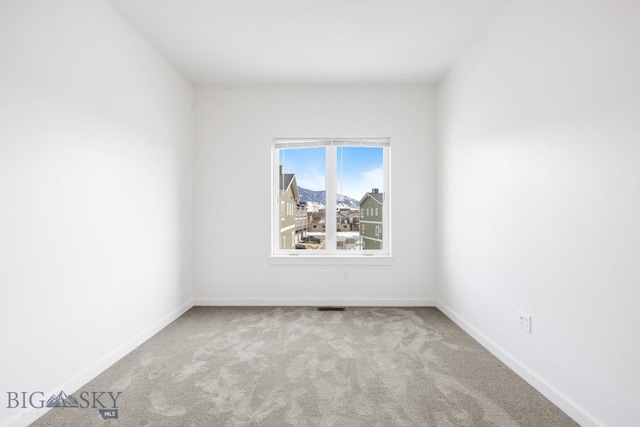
(364, 260)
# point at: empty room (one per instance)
(319, 213)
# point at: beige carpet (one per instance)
(296, 366)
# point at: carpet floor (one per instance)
(297, 366)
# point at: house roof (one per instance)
(285, 180)
(378, 197)
(289, 180)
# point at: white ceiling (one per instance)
(311, 41)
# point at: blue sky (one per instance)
(359, 168)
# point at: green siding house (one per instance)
(371, 220)
(293, 215)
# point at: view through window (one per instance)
(332, 196)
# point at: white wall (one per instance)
(96, 134)
(236, 127)
(539, 200)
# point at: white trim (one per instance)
(29, 415)
(361, 258)
(330, 246)
(579, 414)
(276, 217)
(387, 196)
(331, 193)
(324, 142)
(316, 302)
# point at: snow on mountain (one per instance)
(347, 202)
(314, 206)
(317, 200)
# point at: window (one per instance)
(325, 194)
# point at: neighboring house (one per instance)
(317, 221)
(371, 220)
(342, 220)
(347, 220)
(354, 219)
(302, 221)
(293, 213)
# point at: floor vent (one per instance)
(330, 308)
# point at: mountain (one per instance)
(312, 196)
(318, 199)
(347, 202)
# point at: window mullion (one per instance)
(277, 204)
(386, 207)
(330, 199)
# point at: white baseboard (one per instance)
(27, 416)
(576, 412)
(314, 302)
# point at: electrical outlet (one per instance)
(525, 322)
(345, 275)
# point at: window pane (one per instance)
(302, 198)
(354, 217)
(360, 190)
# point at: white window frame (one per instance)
(330, 255)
